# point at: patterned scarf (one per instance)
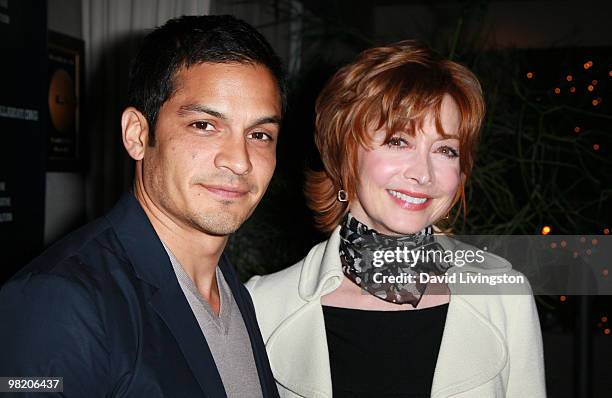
(362, 255)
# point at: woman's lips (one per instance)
(410, 200)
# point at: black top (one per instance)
(383, 354)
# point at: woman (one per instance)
(396, 130)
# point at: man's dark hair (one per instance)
(188, 41)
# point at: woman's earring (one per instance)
(342, 196)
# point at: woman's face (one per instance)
(409, 182)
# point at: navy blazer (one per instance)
(103, 309)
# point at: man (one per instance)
(142, 303)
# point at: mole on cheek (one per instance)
(194, 156)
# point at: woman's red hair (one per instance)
(394, 87)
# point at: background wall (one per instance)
(71, 198)
(65, 191)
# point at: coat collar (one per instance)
(152, 265)
(322, 270)
(459, 367)
(142, 246)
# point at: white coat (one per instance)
(491, 344)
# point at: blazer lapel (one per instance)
(472, 351)
(170, 304)
(152, 265)
(300, 343)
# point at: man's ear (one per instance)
(135, 132)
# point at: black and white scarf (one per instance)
(358, 247)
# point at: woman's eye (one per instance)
(260, 136)
(448, 151)
(202, 126)
(397, 142)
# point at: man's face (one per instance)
(215, 146)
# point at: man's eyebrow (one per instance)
(198, 108)
(266, 120)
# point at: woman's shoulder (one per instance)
(284, 283)
(292, 273)
(276, 296)
(259, 284)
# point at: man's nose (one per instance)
(234, 156)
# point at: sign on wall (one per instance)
(23, 114)
(64, 99)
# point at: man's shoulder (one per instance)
(82, 256)
(57, 306)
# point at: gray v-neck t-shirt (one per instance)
(225, 334)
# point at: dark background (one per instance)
(544, 157)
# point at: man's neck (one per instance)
(197, 252)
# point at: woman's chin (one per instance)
(407, 227)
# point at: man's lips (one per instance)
(227, 192)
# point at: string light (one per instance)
(546, 229)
